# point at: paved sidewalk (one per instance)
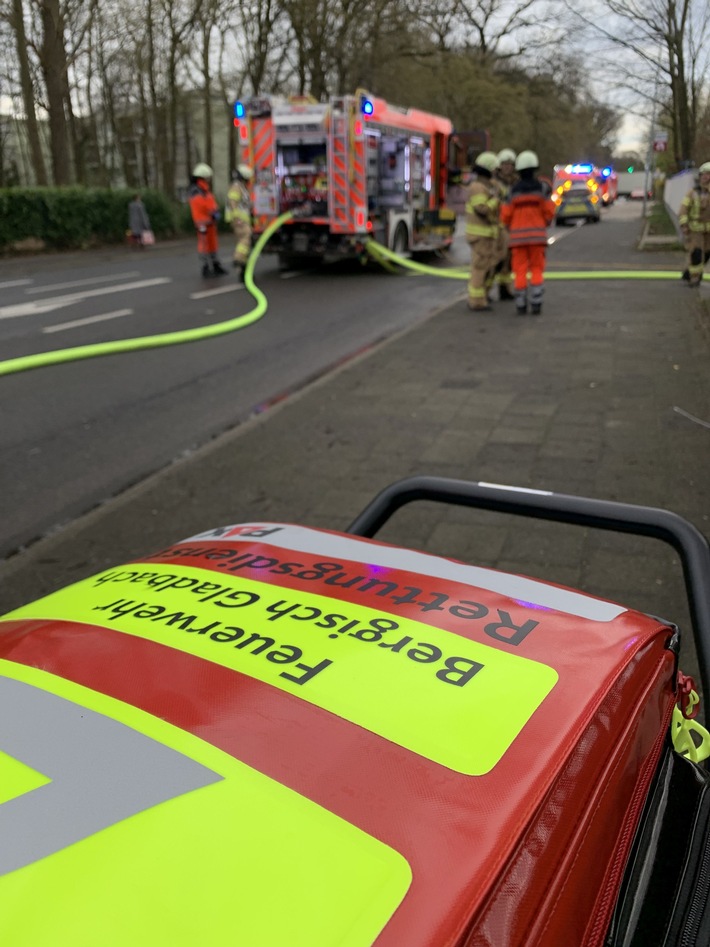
(607, 394)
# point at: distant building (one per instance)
(122, 155)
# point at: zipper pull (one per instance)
(684, 725)
(688, 699)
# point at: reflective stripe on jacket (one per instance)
(695, 210)
(238, 203)
(482, 206)
(527, 213)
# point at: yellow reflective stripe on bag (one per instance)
(327, 652)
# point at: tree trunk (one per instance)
(156, 129)
(28, 98)
(207, 104)
(54, 66)
(171, 154)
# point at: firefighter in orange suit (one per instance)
(482, 207)
(205, 214)
(526, 214)
(505, 175)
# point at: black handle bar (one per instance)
(686, 539)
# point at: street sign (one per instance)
(660, 141)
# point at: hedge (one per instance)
(65, 218)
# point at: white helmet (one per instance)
(486, 160)
(704, 168)
(507, 154)
(245, 172)
(202, 170)
(525, 160)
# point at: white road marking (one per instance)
(691, 417)
(85, 322)
(567, 233)
(215, 292)
(15, 282)
(58, 302)
(82, 282)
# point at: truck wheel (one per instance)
(400, 240)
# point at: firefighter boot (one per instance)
(695, 269)
(218, 269)
(504, 292)
(536, 293)
(521, 301)
(205, 270)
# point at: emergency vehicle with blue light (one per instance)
(350, 169)
(602, 182)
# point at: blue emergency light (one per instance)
(239, 110)
(366, 106)
(582, 168)
(606, 172)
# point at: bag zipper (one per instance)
(701, 886)
(606, 905)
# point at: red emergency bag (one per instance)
(270, 734)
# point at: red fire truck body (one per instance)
(351, 169)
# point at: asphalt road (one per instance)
(76, 434)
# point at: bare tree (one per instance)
(503, 30)
(209, 16)
(667, 59)
(17, 22)
(179, 20)
(263, 26)
(53, 62)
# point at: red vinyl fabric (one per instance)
(530, 852)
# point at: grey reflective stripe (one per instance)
(101, 772)
(302, 539)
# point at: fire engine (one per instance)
(601, 181)
(350, 169)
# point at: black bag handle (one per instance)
(686, 539)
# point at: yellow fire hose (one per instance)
(381, 254)
(27, 362)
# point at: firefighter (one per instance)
(482, 207)
(526, 215)
(238, 214)
(694, 220)
(505, 177)
(205, 214)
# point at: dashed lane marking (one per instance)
(36, 306)
(203, 294)
(85, 322)
(82, 282)
(15, 282)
